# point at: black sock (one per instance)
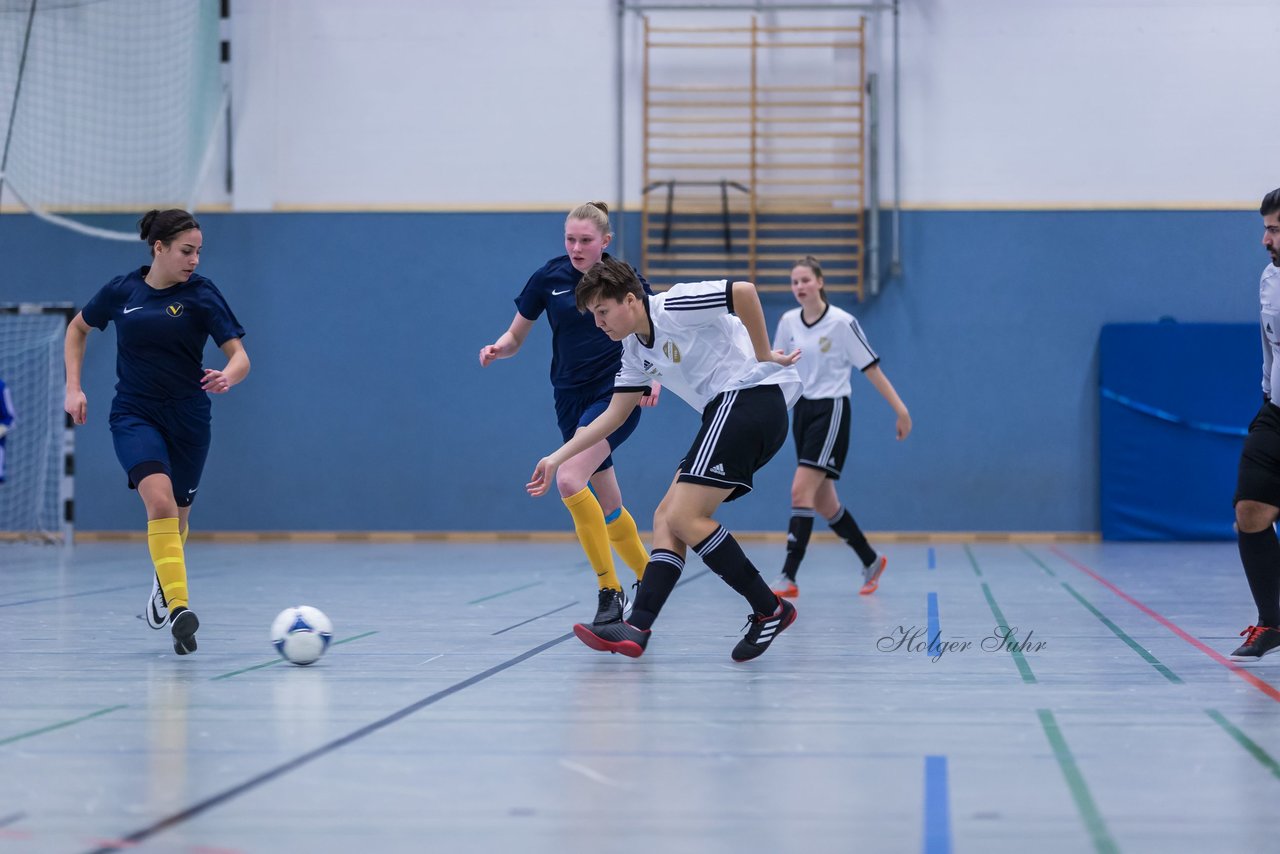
(660, 578)
(721, 552)
(1260, 554)
(842, 523)
(798, 533)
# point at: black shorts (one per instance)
(741, 431)
(821, 431)
(1258, 478)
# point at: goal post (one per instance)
(38, 447)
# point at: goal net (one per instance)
(35, 496)
(107, 106)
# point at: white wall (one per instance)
(393, 104)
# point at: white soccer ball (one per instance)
(301, 634)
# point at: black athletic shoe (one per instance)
(618, 636)
(762, 629)
(612, 604)
(183, 624)
(1258, 641)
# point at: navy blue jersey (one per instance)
(6, 418)
(160, 334)
(6, 407)
(581, 355)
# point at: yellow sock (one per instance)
(185, 531)
(588, 521)
(165, 544)
(625, 539)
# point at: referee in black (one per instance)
(1258, 483)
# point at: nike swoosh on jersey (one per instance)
(135, 308)
(558, 293)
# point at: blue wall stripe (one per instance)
(933, 559)
(293, 280)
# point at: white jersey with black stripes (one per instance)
(698, 348)
(829, 348)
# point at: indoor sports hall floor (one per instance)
(456, 712)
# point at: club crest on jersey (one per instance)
(824, 344)
(671, 351)
(174, 310)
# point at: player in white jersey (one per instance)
(721, 365)
(1257, 496)
(834, 344)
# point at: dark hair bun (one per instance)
(144, 224)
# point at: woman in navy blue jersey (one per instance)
(164, 313)
(583, 364)
(834, 345)
(6, 421)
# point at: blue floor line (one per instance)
(937, 807)
(935, 628)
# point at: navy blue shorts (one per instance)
(171, 433)
(579, 407)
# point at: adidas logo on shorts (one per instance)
(717, 469)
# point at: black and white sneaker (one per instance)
(1258, 641)
(157, 613)
(183, 624)
(611, 607)
(762, 629)
(619, 636)
(629, 602)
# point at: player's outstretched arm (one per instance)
(218, 382)
(651, 399)
(746, 304)
(617, 412)
(510, 342)
(887, 391)
(75, 404)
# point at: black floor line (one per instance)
(190, 812)
(531, 619)
(69, 595)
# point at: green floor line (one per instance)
(276, 661)
(62, 724)
(352, 638)
(504, 593)
(1247, 743)
(1018, 657)
(1042, 564)
(972, 561)
(1134, 645)
(1102, 841)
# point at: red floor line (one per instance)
(1263, 686)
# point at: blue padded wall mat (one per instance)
(1176, 401)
